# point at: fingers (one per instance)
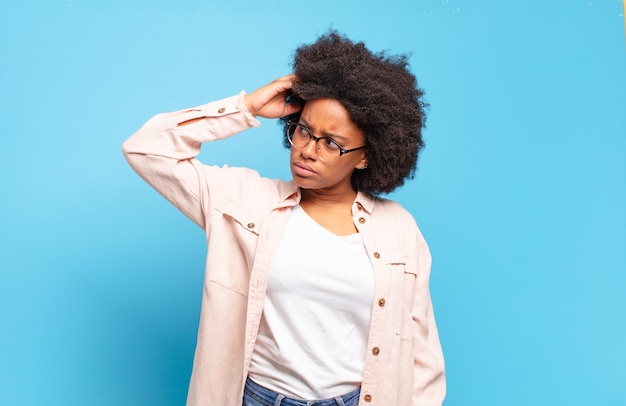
(288, 78)
(290, 109)
(271, 100)
(284, 83)
(286, 94)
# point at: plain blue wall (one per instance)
(521, 192)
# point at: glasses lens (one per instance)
(298, 135)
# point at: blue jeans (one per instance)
(256, 395)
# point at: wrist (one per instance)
(243, 107)
(247, 104)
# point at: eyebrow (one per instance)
(329, 135)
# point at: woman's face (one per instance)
(328, 118)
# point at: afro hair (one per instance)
(381, 96)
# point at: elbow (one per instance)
(132, 156)
(127, 148)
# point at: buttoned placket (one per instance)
(378, 312)
(272, 228)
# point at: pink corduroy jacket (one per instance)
(244, 216)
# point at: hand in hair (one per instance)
(270, 101)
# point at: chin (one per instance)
(302, 183)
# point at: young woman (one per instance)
(316, 290)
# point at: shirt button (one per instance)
(221, 110)
(375, 350)
(359, 206)
(376, 255)
(367, 397)
(361, 220)
(381, 302)
(250, 225)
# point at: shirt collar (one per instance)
(289, 194)
(366, 201)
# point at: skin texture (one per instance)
(327, 191)
(269, 100)
(327, 117)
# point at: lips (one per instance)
(303, 170)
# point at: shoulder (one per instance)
(394, 212)
(246, 186)
(396, 222)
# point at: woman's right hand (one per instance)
(270, 101)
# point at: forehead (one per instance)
(329, 117)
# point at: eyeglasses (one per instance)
(300, 135)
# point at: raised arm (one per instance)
(163, 151)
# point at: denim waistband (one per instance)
(253, 392)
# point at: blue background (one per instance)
(521, 191)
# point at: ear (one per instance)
(362, 163)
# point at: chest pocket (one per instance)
(234, 238)
(240, 215)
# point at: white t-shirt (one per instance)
(316, 316)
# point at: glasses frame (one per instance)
(342, 150)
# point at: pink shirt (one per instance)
(244, 216)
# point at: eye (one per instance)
(302, 132)
(330, 145)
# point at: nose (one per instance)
(310, 150)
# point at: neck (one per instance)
(327, 199)
(330, 210)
